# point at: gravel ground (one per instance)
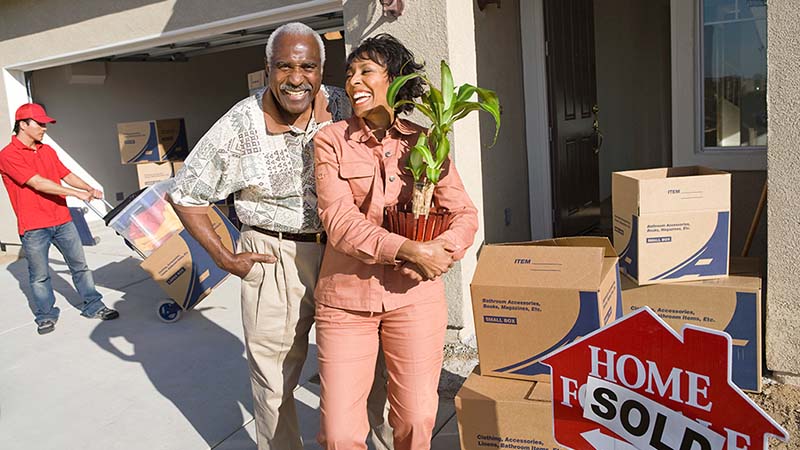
(780, 401)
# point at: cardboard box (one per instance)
(176, 166)
(498, 413)
(672, 224)
(256, 81)
(730, 304)
(148, 220)
(184, 270)
(152, 173)
(152, 141)
(529, 299)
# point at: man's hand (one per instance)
(97, 193)
(241, 263)
(84, 195)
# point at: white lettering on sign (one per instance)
(608, 366)
(571, 391)
(643, 422)
(735, 438)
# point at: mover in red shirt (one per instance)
(32, 175)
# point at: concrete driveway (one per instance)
(135, 382)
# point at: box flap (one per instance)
(541, 392)
(743, 282)
(542, 264)
(478, 387)
(678, 189)
(582, 241)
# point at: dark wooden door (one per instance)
(572, 95)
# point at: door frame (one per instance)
(537, 134)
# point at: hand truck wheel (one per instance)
(168, 311)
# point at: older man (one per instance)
(262, 152)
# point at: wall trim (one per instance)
(534, 78)
(684, 37)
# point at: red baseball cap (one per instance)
(33, 111)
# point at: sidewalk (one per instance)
(135, 382)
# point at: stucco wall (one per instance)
(436, 30)
(783, 167)
(505, 168)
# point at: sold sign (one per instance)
(637, 385)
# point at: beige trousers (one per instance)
(277, 315)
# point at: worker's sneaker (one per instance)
(46, 326)
(105, 313)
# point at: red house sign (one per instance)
(636, 384)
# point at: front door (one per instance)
(572, 96)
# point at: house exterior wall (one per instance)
(506, 199)
(436, 30)
(783, 168)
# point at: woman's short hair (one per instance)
(390, 53)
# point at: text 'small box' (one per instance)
(672, 224)
(529, 299)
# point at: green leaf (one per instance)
(490, 103)
(433, 174)
(437, 103)
(415, 163)
(491, 106)
(396, 85)
(421, 107)
(465, 91)
(442, 150)
(447, 89)
(419, 157)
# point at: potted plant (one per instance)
(443, 107)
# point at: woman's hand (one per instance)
(432, 258)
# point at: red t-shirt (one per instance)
(18, 164)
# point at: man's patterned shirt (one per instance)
(270, 175)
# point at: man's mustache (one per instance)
(302, 87)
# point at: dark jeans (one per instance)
(36, 245)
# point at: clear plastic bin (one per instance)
(149, 220)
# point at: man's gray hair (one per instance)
(295, 28)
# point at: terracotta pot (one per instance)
(400, 220)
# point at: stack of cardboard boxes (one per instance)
(528, 300)
(156, 147)
(671, 232)
(173, 258)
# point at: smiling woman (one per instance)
(376, 286)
